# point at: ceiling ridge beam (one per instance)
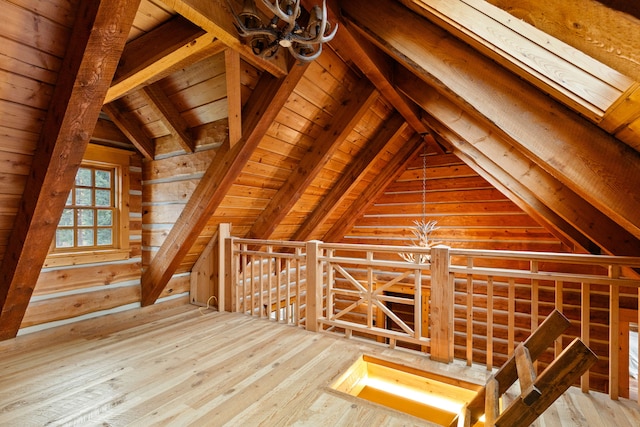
(143, 143)
(352, 108)
(389, 174)
(601, 169)
(160, 103)
(266, 101)
(98, 38)
(392, 128)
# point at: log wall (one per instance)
(70, 293)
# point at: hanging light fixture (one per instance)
(422, 229)
(284, 30)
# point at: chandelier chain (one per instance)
(424, 182)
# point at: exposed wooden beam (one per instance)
(355, 105)
(390, 173)
(391, 129)
(596, 166)
(131, 129)
(234, 94)
(520, 175)
(158, 53)
(588, 86)
(373, 64)
(106, 130)
(217, 20)
(587, 25)
(160, 103)
(99, 35)
(265, 103)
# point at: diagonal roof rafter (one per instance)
(261, 109)
(99, 36)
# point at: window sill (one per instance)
(96, 256)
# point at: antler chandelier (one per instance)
(303, 42)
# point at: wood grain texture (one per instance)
(173, 365)
(101, 30)
(266, 101)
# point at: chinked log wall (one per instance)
(77, 291)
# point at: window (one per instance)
(93, 226)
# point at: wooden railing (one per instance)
(471, 304)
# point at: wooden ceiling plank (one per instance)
(392, 128)
(160, 103)
(520, 175)
(158, 53)
(373, 65)
(352, 108)
(217, 20)
(388, 175)
(233, 76)
(99, 35)
(106, 130)
(598, 167)
(524, 198)
(263, 106)
(131, 129)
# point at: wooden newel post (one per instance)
(229, 279)
(224, 294)
(314, 285)
(442, 299)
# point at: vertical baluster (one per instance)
(469, 313)
(278, 271)
(270, 282)
(585, 327)
(511, 303)
(417, 303)
(288, 314)
(298, 306)
(559, 307)
(614, 334)
(534, 303)
(370, 290)
(244, 260)
(254, 287)
(331, 311)
(261, 285)
(534, 297)
(489, 323)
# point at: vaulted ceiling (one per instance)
(540, 99)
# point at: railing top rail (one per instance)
(546, 275)
(549, 256)
(627, 261)
(374, 248)
(277, 243)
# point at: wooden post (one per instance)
(314, 285)
(441, 306)
(224, 296)
(230, 276)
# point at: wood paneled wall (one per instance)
(470, 213)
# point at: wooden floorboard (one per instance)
(181, 367)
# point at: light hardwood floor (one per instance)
(179, 367)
